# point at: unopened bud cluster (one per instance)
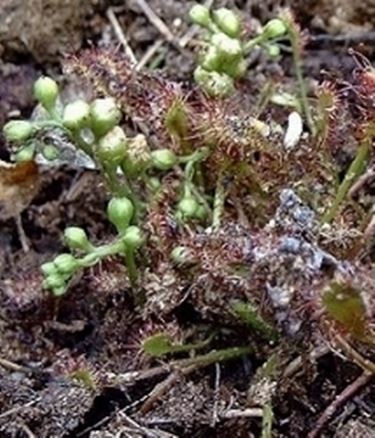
(22, 132)
(120, 212)
(223, 60)
(59, 272)
(190, 208)
(101, 117)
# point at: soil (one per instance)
(66, 368)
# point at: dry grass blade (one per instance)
(120, 35)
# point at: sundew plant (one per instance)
(258, 225)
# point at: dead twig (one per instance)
(156, 21)
(245, 413)
(120, 34)
(147, 433)
(12, 366)
(361, 181)
(159, 24)
(28, 431)
(343, 39)
(297, 363)
(21, 234)
(187, 366)
(159, 390)
(215, 416)
(363, 380)
(19, 408)
(366, 364)
(158, 44)
(152, 50)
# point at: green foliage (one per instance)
(85, 377)
(250, 316)
(345, 305)
(160, 344)
(176, 122)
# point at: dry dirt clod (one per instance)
(43, 28)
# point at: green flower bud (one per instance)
(163, 159)
(59, 291)
(211, 61)
(18, 130)
(105, 115)
(273, 50)
(26, 153)
(153, 183)
(66, 264)
(48, 269)
(182, 256)
(76, 114)
(187, 207)
(112, 147)
(120, 212)
(274, 28)
(133, 238)
(237, 69)
(76, 238)
(200, 15)
(229, 49)
(201, 213)
(50, 152)
(138, 157)
(201, 75)
(213, 83)
(54, 281)
(227, 21)
(46, 91)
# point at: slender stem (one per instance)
(116, 187)
(267, 421)
(355, 169)
(301, 82)
(219, 202)
(249, 46)
(77, 140)
(265, 96)
(100, 252)
(116, 247)
(201, 199)
(181, 364)
(54, 113)
(131, 267)
(198, 155)
(213, 357)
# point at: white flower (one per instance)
(294, 131)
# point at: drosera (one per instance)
(210, 210)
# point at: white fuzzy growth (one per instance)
(294, 131)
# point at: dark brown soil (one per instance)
(63, 367)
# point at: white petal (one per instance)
(294, 130)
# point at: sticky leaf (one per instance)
(345, 304)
